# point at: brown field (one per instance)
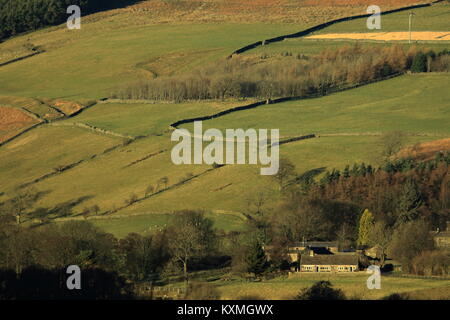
(67, 107)
(39, 108)
(426, 150)
(387, 36)
(276, 11)
(12, 122)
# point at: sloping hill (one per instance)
(116, 155)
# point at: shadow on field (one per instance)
(61, 210)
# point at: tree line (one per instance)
(288, 76)
(17, 16)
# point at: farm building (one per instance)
(321, 256)
(442, 238)
(319, 247)
(341, 262)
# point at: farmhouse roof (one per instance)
(329, 259)
(442, 234)
(316, 244)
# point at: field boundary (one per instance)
(93, 128)
(323, 26)
(22, 58)
(173, 186)
(154, 154)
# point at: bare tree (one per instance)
(392, 142)
(149, 190)
(190, 235)
(380, 236)
(21, 201)
(163, 181)
(285, 172)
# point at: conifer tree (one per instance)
(366, 223)
(256, 259)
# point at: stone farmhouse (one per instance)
(321, 257)
(442, 238)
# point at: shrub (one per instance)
(396, 296)
(321, 290)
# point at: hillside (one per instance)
(86, 153)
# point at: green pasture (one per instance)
(148, 223)
(109, 52)
(106, 54)
(348, 125)
(416, 104)
(142, 119)
(41, 150)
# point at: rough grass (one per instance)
(287, 11)
(13, 121)
(35, 106)
(425, 151)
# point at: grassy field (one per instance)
(144, 119)
(107, 57)
(314, 46)
(40, 150)
(433, 18)
(148, 223)
(349, 124)
(117, 47)
(13, 121)
(122, 46)
(353, 285)
(374, 108)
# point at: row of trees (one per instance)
(241, 77)
(17, 16)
